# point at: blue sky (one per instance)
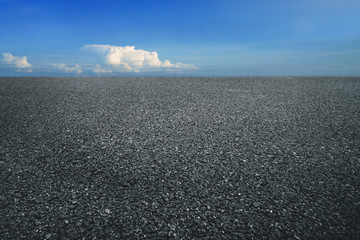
(187, 37)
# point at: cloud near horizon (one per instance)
(19, 62)
(129, 59)
(98, 69)
(67, 69)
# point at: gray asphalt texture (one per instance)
(180, 158)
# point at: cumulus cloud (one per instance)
(129, 59)
(19, 62)
(74, 69)
(98, 69)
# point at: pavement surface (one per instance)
(179, 158)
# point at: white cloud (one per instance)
(129, 59)
(98, 69)
(29, 70)
(19, 62)
(75, 69)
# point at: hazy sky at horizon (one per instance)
(202, 37)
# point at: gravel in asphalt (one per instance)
(180, 158)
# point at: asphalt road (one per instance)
(180, 158)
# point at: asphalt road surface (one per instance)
(180, 158)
